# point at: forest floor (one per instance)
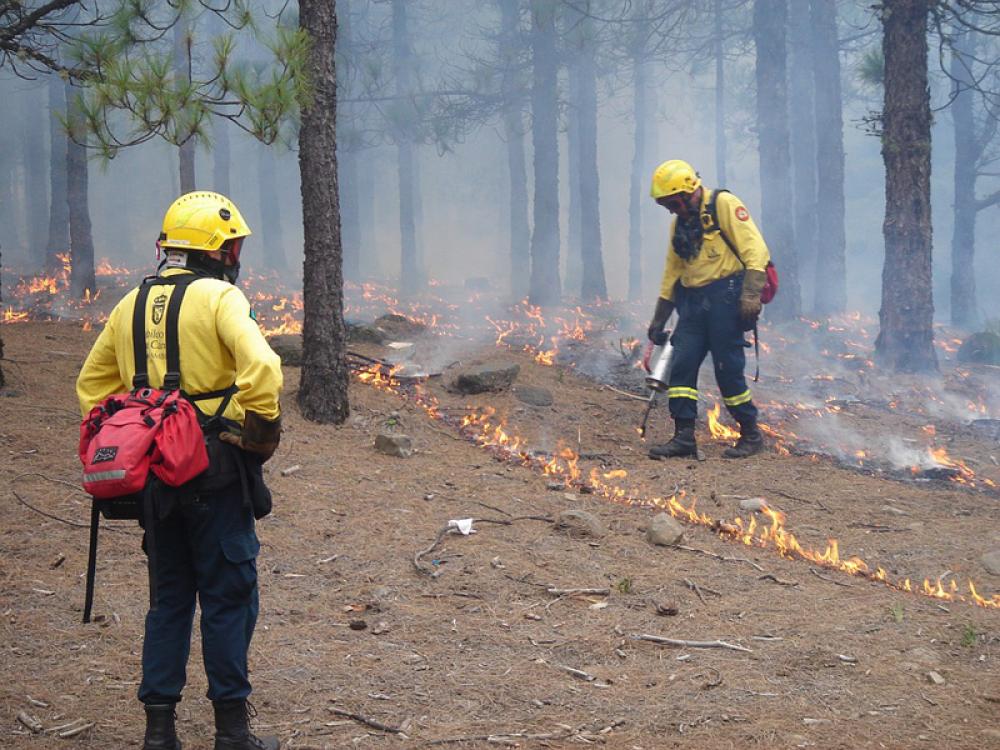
(473, 649)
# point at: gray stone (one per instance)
(399, 326)
(664, 530)
(580, 523)
(991, 561)
(935, 678)
(753, 504)
(288, 346)
(393, 444)
(363, 333)
(484, 377)
(533, 395)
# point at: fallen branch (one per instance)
(720, 557)
(698, 589)
(364, 720)
(769, 577)
(29, 721)
(689, 644)
(75, 730)
(626, 393)
(578, 592)
(437, 540)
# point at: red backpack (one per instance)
(149, 431)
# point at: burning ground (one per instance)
(479, 641)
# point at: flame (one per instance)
(720, 431)
(10, 315)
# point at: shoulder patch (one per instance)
(253, 315)
(742, 214)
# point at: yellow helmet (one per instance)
(202, 221)
(672, 177)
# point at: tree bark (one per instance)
(36, 191)
(323, 385)
(574, 225)
(803, 135)
(720, 94)
(347, 156)
(593, 284)
(906, 337)
(964, 311)
(513, 123)
(769, 21)
(270, 209)
(831, 240)
(58, 241)
(402, 62)
(545, 287)
(183, 31)
(81, 240)
(640, 169)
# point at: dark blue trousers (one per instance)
(709, 321)
(205, 548)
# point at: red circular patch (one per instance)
(742, 214)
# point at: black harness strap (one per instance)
(95, 520)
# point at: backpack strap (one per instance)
(172, 378)
(713, 214)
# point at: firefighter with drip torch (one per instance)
(714, 275)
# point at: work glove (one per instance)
(753, 285)
(259, 436)
(655, 333)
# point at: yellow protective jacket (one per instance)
(716, 261)
(220, 344)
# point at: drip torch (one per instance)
(656, 362)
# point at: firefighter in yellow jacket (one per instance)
(714, 275)
(205, 541)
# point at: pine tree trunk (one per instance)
(831, 241)
(58, 241)
(964, 312)
(402, 61)
(545, 287)
(182, 65)
(509, 46)
(593, 285)
(520, 233)
(81, 240)
(36, 191)
(574, 224)
(769, 21)
(323, 386)
(270, 209)
(803, 134)
(3, 380)
(640, 168)
(906, 337)
(347, 156)
(720, 95)
(370, 263)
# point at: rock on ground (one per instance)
(581, 523)
(533, 395)
(664, 530)
(393, 444)
(991, 561)
(484, 377)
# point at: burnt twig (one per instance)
(365, 720)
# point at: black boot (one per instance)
(232, 728)
(750, 442)
(160, 731)
(682, 444)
